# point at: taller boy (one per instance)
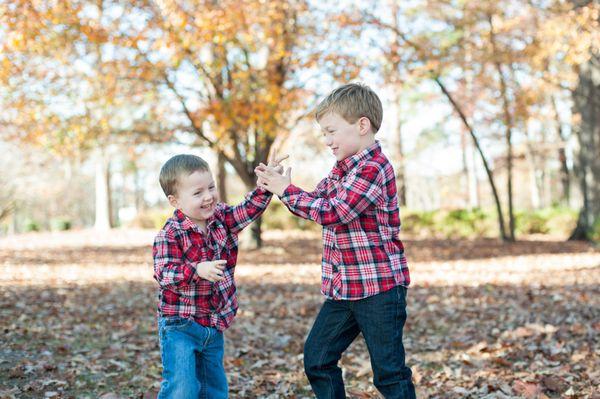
(364, 270)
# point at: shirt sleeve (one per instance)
(319, 191)
(354, 195)
(170, 271)
(239, 216)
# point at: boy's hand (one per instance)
(275, 163)
(211, 270)
(271, 180)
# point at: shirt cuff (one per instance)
(195, 277)
(260, 190)
(288, 192)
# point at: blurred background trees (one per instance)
(491, 109)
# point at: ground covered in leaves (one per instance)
(486, 319)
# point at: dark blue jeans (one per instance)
(381, 319)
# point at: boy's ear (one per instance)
(364, 125)
(173, 201)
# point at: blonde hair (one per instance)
(175, 167)
(353, 101)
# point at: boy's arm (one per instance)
(239, 216)
(319, 191)
(353, 196)
(170, 271)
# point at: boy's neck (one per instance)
(366, 143)
(200, 223)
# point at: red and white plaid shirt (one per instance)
(357, 206)
(180, 245)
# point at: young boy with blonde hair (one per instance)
(364, 271)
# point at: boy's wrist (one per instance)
(262, 190)
(282, 193)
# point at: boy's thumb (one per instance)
(288, 172)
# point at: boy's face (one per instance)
(343, 138)
(196, 196)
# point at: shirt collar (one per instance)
(185, 223)
(348, 163)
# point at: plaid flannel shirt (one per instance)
(357, 206)
(180, 245)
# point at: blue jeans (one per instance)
(192, 359)
(381, 319)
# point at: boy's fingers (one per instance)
(281, 158)
(288, 172)
(272, 158)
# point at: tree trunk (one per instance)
(221, 177)
(534, 187)
(245, 171)
(140, 203)
(565, 176)
(103, 211)
(486, 166)
(474, 196)
(508, 124)
(536, 170)
(465, 169)
(587, 168)
(256, 233)
(400, 169)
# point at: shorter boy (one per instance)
(195, 254)
(364, 271)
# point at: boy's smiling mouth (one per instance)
(207, 207)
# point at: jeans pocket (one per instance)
(402, 291)
(176, 322)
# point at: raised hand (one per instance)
(211, 270)
(271, 180)
(275, 163)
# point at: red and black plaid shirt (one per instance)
(180, 245)
(357, 206)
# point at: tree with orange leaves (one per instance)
(232, 68)
(64, 89)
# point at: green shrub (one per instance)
(561, 220)
(552, 220)
(595, 233)
(417, 222)
(60, 224)
(530, 223)
(463, 223)
(448, 224)
(30, 225)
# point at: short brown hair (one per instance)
(353, 101)
(175, 167)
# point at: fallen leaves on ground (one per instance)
(486, 319)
